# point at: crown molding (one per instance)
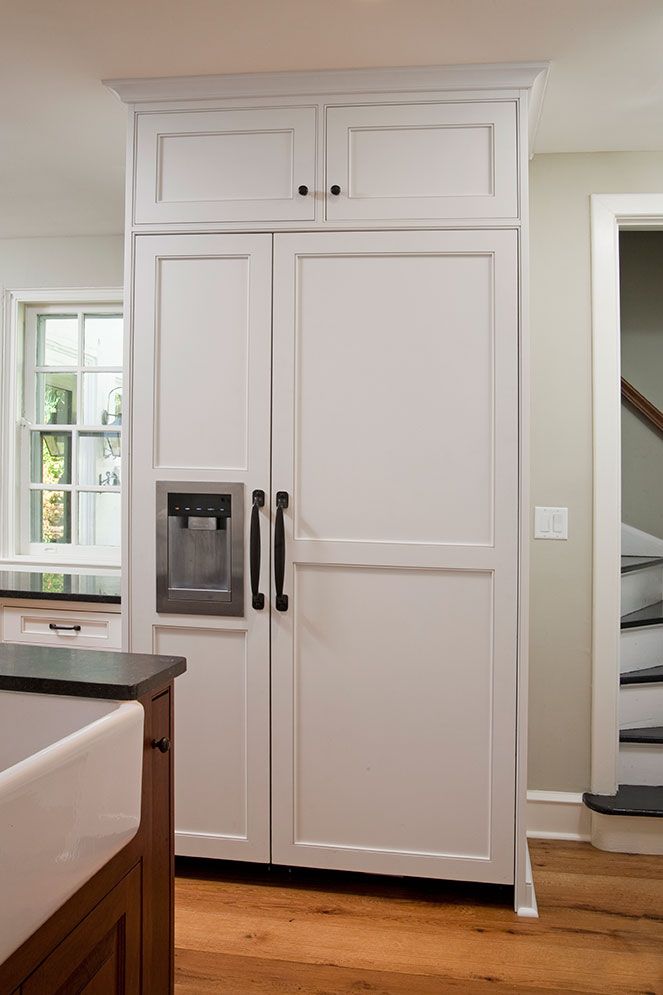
(531, 76)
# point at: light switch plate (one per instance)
(551, 523)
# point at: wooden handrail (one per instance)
(642, 405)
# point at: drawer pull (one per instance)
(64, 628)
(163, 744)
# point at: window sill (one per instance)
(43, 565)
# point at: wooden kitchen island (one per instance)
(115, 934)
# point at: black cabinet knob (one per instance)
(303, 189)
(335, 189)
(163, 744)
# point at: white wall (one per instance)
(561, 577)
(61, 262)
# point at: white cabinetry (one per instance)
(69, 628)
(225, 165)
(373, 378)
(422, 161)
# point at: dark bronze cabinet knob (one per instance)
(303, 189)
(335, 189)
(163, 744)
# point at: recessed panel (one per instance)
(202, 338)
(393, 686)
(435, 161)
(210, 769)
(225, 166)
(395, 398)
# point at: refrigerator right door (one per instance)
(395, 444)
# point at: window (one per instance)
(71, 434)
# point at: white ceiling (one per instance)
(62, 134)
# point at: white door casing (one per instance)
(201, 359)
(395, 434)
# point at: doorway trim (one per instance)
(610, 213)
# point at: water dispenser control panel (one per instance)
(200, 548)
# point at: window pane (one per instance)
(56, 398)
(57, 340)
(103, 340)
(50, 516)
(99, 519)
(102, 398)
(51, 458)
(99, 458)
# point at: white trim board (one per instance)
(557, 815)
(609, 214)
(532, 76)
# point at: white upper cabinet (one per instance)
(207, 166)
(421, 161)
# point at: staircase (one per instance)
(640, 770)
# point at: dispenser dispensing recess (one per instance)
(200, 548)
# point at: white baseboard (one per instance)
(557, 815)
(528, 909)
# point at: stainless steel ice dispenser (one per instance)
(200, 548)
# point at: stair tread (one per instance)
(632, 563)
(646, 734)
(647, 675)
(631, 799)
(651, 615)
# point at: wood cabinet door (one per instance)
(422, 161)
(102, 955)
(395, 436)
(202, 355)
(241, 165)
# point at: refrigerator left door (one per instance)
(200, 411)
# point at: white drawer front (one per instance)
(234, 165)
(87, 630)
(422, 161)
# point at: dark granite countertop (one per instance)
(97, 588)
(84, 673)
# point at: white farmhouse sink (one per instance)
(70, 783)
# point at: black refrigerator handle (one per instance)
(279, 551)
(258, 600)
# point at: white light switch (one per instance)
(551, 523)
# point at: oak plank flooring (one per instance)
(245, 931)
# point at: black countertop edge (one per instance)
(102, 589)
(96, 599)
(83, 673)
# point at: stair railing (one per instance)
(639, 402)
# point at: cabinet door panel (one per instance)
(395, 434)
(422, 161)
(225, 165)
(102, 954)
(221, 758)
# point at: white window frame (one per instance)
(15, 336)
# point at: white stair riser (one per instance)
(640, 705)
(641, 588)
(641, 648)
(641, 763)
(626, 834)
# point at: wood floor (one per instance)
(248, 932)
